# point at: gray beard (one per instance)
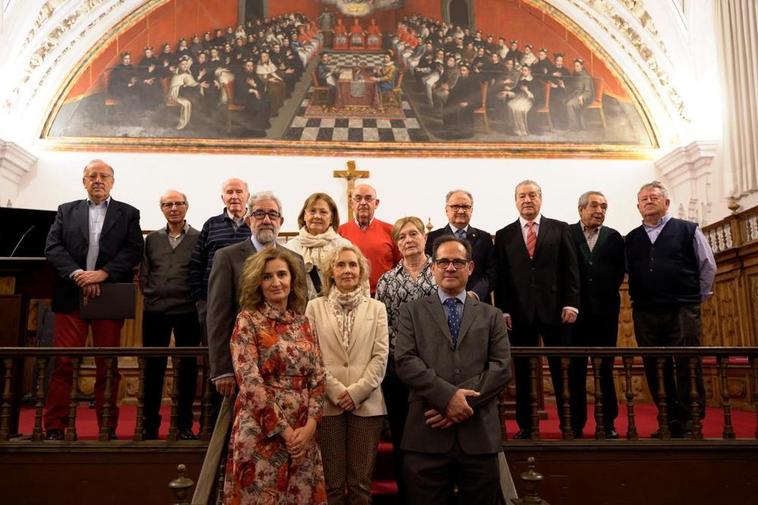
(265, 237)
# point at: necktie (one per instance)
(453, 319)
(460, 234)
(531, 239)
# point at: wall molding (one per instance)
(16, 164)
(687, 171)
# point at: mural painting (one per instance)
(350, 75)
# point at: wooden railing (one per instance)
(734, 231)
(723, 358)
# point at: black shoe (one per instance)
(54, 435)
(523, 435)
(675, 433)
(578, 434)
(186, 434)
(611, 433)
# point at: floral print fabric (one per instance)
(278, 367)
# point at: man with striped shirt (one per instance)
(227, 228)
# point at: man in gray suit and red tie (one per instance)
(453, 353)
(537, 289)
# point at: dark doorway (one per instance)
(254, 10)
(459, 13)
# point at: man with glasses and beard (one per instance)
(265, 219)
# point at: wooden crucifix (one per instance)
(351, 174)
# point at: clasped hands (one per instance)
(297, 440)
(457, 410)
(89, 281)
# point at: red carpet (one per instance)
(744, 422)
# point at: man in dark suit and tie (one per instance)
(459, 206)
(537, 289)
(92, 241)
(453, 353)
(600, 251)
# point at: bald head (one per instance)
(364, 203)
(98, 180)
(174, 206)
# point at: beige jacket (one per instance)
(360, 369)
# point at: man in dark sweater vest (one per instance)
(671, 270)
(600, 252)
(169, 307)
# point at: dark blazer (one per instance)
(538, 287)
(223, 301)
(601, 271)
(483, 254)
(120, 250)
(433, 372)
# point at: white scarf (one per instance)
(343, 307)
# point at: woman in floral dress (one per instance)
(273, 454)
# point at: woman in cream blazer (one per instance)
(353, 336)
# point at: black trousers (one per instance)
(665, 326)
(156, 332)
(593, 331)
(431, 478)
(396, 399)
(528, 335)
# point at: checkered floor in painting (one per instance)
(346, 129)
(364, 59)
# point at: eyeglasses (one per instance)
(171, 205)
(260, 215)
(458, 264)
(94, 177)
(359, 198)
(459, 208)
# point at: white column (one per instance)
(687, 173)
(737, 34)
(16, 167)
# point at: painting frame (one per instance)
(278, 147)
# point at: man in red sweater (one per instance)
(371, 236)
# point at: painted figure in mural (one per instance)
(250, 91)
(526, 93)
(458, 111)
(580, 96)
(122, 84)
(184, 90)
(151, 92)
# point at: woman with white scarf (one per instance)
(317, 239)
(352, 333)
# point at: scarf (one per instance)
(317, 249)
(343, 307)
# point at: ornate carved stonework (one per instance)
(54, 33)
(687, 172)
(616, 25)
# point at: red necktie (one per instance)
(531, 239)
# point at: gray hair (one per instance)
(451, 193)
(655, 185)
(160, 200)
(223, 184)
(263, 195)
(584, 200)
(524, 183)
(97, 160)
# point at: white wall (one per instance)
(405, 186)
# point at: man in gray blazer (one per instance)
(264, 218)
(454, 355)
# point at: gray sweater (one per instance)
(164, 273)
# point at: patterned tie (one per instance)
(453, 319)
(531, 239)
(460, 234)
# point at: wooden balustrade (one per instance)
(692, 356)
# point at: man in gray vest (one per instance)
(671, 270)
(169, 307)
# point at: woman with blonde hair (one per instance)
(273, 456)
(352, 333)
(317, 239)
(410, 280)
